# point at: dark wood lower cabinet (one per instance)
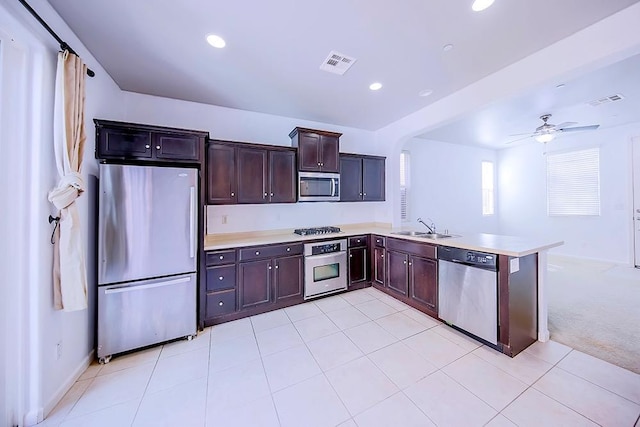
(379, 266)
(288, 278)
(423, 283)
(255, 283)
(397, 275)
(357, 265)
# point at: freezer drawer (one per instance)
(146, 312)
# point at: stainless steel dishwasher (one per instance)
(468, 291)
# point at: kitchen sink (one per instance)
(435, 235)
(411, 233)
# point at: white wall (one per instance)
(523, 203)
(445, 185)
(238, 125)
(42, 379)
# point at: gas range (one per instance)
(317, 230)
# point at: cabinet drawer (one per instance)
(407, 246)
(220, 257)
(219, 278)
(220, 303)
(274, 251)
(379, 241)
(356, 241)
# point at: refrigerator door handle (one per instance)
(192, 223)
(122, 289)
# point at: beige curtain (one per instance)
(69, 267)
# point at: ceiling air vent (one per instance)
(605, 100)
(337, 63)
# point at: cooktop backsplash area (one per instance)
(247, 218)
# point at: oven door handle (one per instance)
(333, 187)
(325, 256)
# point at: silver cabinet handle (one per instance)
(233, 194)
(221, 256)
(361, 194)
(404, 262)
(365, 194)
(157, 147)
(276, 266)
(147, 146)
(271, 194)
(350, 256)
(382, 256)
(409, 263)
(269, 268)
(318, 164)
(221, 303)
(257, 252)
(121, 289)
(358, 240)
(192, 222)
(220, 278)
(288, 249)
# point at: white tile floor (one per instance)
(354, 360)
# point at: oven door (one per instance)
(325, 274)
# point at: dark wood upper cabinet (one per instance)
(362, 178)
(282, 176)
(221, 174)
(373, 178)
(350, 178)
(252, 175)
(144, 143)
(318, 151)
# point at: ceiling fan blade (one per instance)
(579, 128)
(520, 134)
(565, 125)
(519, 139)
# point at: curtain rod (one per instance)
(63, 44)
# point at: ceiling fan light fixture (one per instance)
(216, 41)
(480, 5)
(545, 137)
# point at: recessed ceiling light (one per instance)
(425, 92)
(216, 41)
(447, 47)
(375, 86)
(479, 5)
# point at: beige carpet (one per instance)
(594, 307)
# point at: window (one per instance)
(488, 193)
(573, 183)
(404, 185)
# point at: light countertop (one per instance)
(492, 243)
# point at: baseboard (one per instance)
(65, 387)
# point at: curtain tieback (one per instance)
(67, 191)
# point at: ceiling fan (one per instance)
(546, 132)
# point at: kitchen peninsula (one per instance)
(264, 271)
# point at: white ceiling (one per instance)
(275, 48)
(494, 125)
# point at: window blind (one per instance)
(573, 183)
(487, 189)
(404, 185)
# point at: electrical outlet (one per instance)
(224, 219)
(59, 350)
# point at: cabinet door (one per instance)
(252, 175)
(379, 266)
(221, 174)
(357, 265)
(170, 146)
(282, 177)
(308, 152)
(330, 156)
(288, 278)
(423, 276)
(372, 179)
(124, 143)
(397, 276)
(254, 283)
(350, 179)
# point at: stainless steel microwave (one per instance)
(318, 187)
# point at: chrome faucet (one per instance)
(432, 228)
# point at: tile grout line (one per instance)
(135, 415)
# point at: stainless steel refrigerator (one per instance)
(147, 252)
